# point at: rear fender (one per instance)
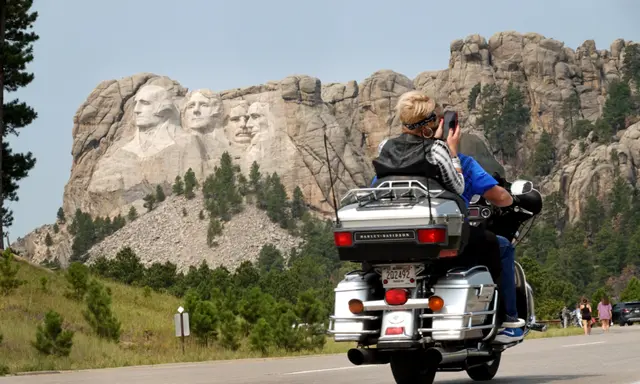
(406, 318)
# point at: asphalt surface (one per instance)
(612, 358)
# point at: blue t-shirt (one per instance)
(476, 180)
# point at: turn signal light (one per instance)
(343, 239)
(356, 306)
(436, 303)
(432, 235)
(396, 296)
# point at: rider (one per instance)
(499, 252)
(479, 182)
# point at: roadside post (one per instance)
(181, 320)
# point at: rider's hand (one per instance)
(453, 140)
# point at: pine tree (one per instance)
(190, 183)
(570, 111)
(150, 202)
(16, 51)
(8, 272)
(632, 291)
(544, 155)
(60, 215)
(220, 191)
(503, 119)
(48, 241)
(277, 201)
(78, 279)
(51, 339)
(298, 205)
(98, 313)
(631, 64)
(214, 229)
(85, 236)
(270, 258)
(178, 186)
(160, 196)
(56, 228)
(254, 177)
(473, 96)
(133, 214)
(618, 106)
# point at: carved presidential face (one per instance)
(201, 111)
(257, 118)
(152, 107)
(237, 124)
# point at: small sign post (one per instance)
(181, 320)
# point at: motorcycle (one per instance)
(411, 305)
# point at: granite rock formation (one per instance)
(134, 133)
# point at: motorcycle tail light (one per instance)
(432, 235)
(343, 239)
(396, 296)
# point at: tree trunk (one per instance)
(3, 7)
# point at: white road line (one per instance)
(332, 369)
(578, 345)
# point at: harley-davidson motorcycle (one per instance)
(411, 305)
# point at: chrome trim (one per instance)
(465, 272)
(463, 329)
(465, 286)
(381, 305)
(417, 187)
(372, 332)
(466, 314)
(355, 318)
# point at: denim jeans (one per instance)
(508, 280)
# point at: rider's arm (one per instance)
(451, 172)
(498, 196)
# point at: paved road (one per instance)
(611, 358)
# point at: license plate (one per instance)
(399, 276)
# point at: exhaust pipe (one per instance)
(437, 355)
(368, 356)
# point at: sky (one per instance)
(220, 45)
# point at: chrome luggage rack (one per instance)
(393, 190)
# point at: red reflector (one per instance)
(432, 235)
(396, 296)
(343, 239)
(448, 253)
(394, 331)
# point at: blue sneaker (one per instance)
(509, 335)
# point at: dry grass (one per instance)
(147, 329)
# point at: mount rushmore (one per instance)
(137, 132)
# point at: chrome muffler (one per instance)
(368, 356)
(437, 355)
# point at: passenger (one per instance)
(419, 115)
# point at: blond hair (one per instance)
(415, 106)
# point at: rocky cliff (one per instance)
(135, 133)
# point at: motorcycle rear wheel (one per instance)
(486, 371)
(409, 368)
